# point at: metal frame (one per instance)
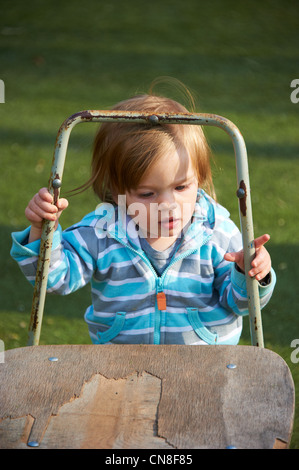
(243, 194)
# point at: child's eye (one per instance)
(146, 195)
(181, 187)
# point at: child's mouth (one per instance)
(169, 223)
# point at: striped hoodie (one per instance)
(200, 298)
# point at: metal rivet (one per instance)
(56, 183)
(32, 444)
(231, 366)
(153, 119)
(241, 193)
(53, 359)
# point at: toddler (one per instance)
(164, 259)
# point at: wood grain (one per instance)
(145, 396)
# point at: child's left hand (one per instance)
(261, 265)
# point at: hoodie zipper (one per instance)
(161, 297)
(160, 294)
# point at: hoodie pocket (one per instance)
(199, 328)
(114, 330)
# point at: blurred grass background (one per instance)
(238, 58)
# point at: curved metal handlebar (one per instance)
(243, 194)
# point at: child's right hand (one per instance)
(41, 207)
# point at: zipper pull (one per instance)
(161, 300)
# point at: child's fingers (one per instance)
(260, 241)
(44, 194)
(42, 210)
(32, 216)
(40, 207)
(262, 272)
(44, 203)
(261, 255)
(261, 265)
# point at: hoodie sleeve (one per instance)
(73, 258)
(230, 283)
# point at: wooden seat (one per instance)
(145, 397)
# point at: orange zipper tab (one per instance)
(161, 301)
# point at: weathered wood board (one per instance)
(146, 397)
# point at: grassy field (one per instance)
(239, 58)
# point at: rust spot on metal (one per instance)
(243, 207)
(48, 230)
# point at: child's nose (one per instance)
(167, 202)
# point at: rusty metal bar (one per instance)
(243, 193)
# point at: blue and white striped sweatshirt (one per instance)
(200, 298)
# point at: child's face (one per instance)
(164, 201)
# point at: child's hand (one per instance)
(261, 265)
(41, 207)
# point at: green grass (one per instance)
(57, 58)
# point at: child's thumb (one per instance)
(62, 204)
(231, 257)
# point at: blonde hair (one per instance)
(123, 152)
